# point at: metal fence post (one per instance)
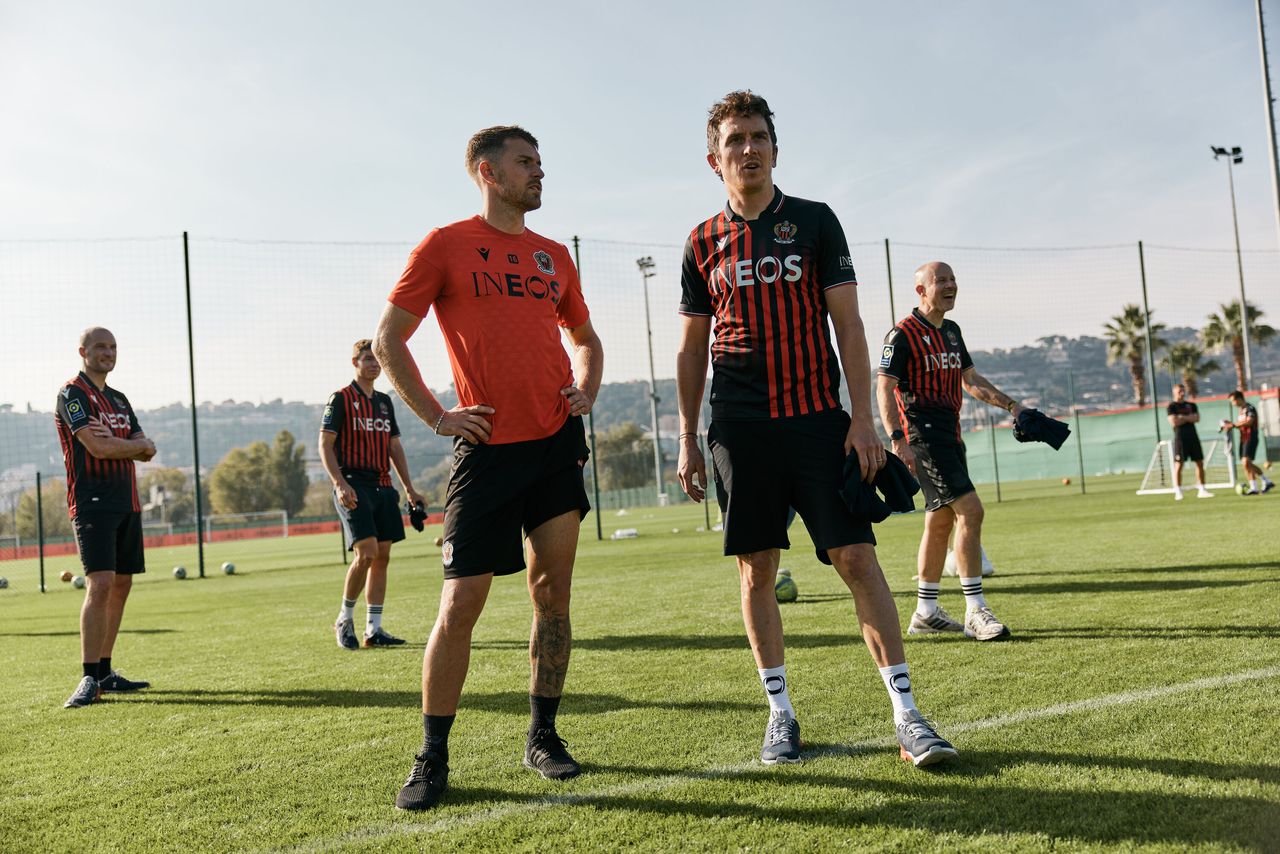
(1151, 356)
(995, 459)
(40, 527)
(1075, 417)
(888, 268)
(591, 422)
(195, 432)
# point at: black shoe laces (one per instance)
(549, 743)
(423, 764)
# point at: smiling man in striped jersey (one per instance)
(923, 367)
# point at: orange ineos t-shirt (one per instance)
(500, 300)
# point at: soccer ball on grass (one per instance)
(785, 587)
(179, 572)
(949, 565)
(78, 582)
(229, 568)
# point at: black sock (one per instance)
(91, 669)
(435, 734)
(104, 668)
(543, 711)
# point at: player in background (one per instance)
(1247, 423)
(1183, 417)
(501, 295)
(923, 366)
(101, 440)
(769, 270)
(359, 442)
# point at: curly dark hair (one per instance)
(488, 143)
(741, 103)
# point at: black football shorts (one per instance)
(764, 468)
(376, 514)
(1187, 449)
(942, 471)
(496, 492)
(110, 542)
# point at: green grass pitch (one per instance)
(1134, 708)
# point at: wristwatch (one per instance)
(896, 435)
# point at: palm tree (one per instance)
(1223, 331)
(1126, 337)
(1186, 360)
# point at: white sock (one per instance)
(973, 597)
(1253, 484)
(898, 683)
(926, 598)
(348, 611)
(375, 619)
(774, 680)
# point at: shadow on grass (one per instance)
(1168, 585)
(510, 702)
(634, 643)
(1097, 810)
(1236, 566)
(76, 634)
(1156, 632)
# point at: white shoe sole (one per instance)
(781, 760)
(930, 757)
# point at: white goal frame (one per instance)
(157, 528)
(1218, 451)
(266, 518)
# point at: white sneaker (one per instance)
(982, 625)
(1204, 493)
(939, 622)
(1177, 496)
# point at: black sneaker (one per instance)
(114, 683)
(381, 638)
(545, 753)
(86, 693)
(427, 781)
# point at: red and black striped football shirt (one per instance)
(96, 485)
(364, 426)
(928, 362)
(765, 283)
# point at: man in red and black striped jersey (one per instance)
(923, 367)
(100, 440)
(768, 271)
(359, 442)
(1247, 423)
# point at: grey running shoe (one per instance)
(381, 638)
(919, 743)
(86, 692)
(981, 624)
(427, 781)
(781, 740)
(117, 684)
(346, 632)
(939, 622)
(545, 753)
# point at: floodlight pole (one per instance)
(646, 266)
(1234, 156)
(1271, 116)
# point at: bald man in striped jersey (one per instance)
(923, 366)
(359, 442)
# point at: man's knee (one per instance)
(855, 562)
(969, 511)
(758, 571)
(100, 585)
(549, 587)
(365, 551)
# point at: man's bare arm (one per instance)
(329, 459)
(691, 379)
(888, 405)
(588, 368)
(851, 340)
(391, 346)
(981, 388)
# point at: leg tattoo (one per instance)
(549, 646)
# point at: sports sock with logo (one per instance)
(898, 682)
(435, 734)
(927, 597)
(973, 597)
(374, 619)
(542, 712)
(774, 680)
(104, 668)
(348, 611)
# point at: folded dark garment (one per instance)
(1032, 425)
(895, 482)
(417, 514)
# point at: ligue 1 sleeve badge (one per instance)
(544, 262)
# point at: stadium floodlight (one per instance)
(1235, 157)
(646, 267)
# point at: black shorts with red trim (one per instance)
(943, 471)
(376, 514)
(498, 492)
(1249, 447)
(764, 468)
(110, 542)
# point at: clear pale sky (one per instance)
(977, 123)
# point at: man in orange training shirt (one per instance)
(501, 295)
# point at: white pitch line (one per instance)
(374, 833)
